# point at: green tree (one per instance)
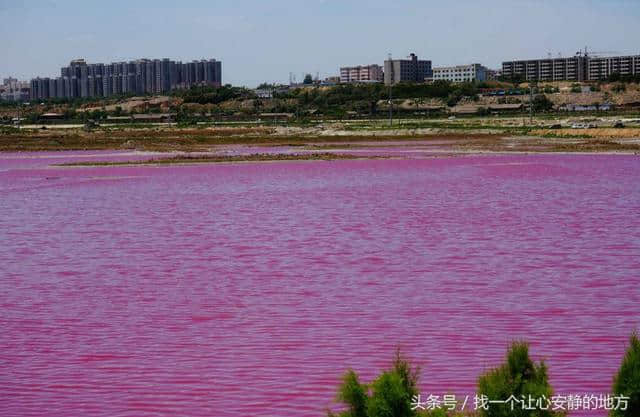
(211, 94)
(353, 394)
(454, 98)
(307, 79)
(627, 381)
(542, 103)
(390, 395)
(267, 86)
(519, 377)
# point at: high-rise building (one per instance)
(33, 91)
(165, 76)
(52, 88)
(189, 74)
(212, 72)
(141, 76)
(107, 81)
(40, 89)
(157, 84)
(66, 87)
(179, 78)
(150, 77)
(60, 91)
(84, 80)
(12, 89)
(406, 70)
(199, 72)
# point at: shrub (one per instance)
(542, 103)
(627, 381)
(454, 98)
(519, 377)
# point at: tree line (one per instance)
(394, 393)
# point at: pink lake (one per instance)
(248, 289)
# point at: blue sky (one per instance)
(265, 40)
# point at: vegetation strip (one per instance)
(187, 159)
(504, 391)
(193, 140)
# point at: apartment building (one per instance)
(362, 73)
(577, 68)
(12, 89)
(600, 68)
(461, 73)
(80, 79)
(407, 70)
(551, 69)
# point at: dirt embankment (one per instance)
(138, 105)
(143, 139)
(626, 133)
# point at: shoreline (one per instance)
(461, 140)
(260, 158)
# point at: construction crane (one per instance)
(586, 53)
(596, 53)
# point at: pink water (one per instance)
(248, 289)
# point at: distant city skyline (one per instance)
(265, 41)
(140, 76)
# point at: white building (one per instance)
(460, 73)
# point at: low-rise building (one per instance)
(460, 73)
(591, 107)
(362, 73)
(581, 67)
(601, 68)
(551, 69)
(496, 108)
